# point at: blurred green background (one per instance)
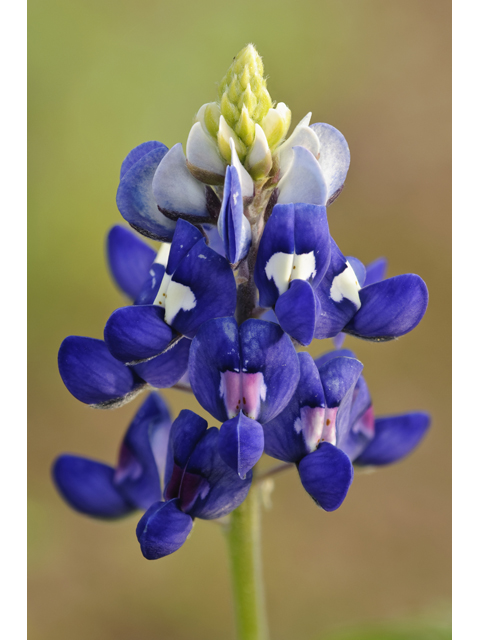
(106, 76)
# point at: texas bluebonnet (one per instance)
(246, 271)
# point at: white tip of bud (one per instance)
(246, 181)
(203, 158)
(259, 160)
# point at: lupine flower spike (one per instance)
(245, 272)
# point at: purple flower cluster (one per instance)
(246, 272)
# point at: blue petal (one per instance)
(278, 238)
(295, 228)
(215, 349)
(233, 226)
(214, 240)
(326, 475)
(332, 316)
(135, 199)
(185, 237)
(284, 439)
(359, 268)
(138, 152)
(295, 310)
(129, 259)
(376, 271)
(151, 285)
(266, 349)
(210, 279)
(338, 340)
(88, 486)
(334, 158)
(390, 308)
(339, 377)
(361, 422)
(240, 443)
(93, 375)
(137, 333)
(226, 490)
(166, 369)
(187, 430)
(330, 355)
(163, 529)
(143, 454)
(395, 437)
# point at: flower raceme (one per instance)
(246, 271)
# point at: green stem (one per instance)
(243, 539)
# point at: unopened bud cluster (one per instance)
(245, 114)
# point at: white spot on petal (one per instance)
(345, 285)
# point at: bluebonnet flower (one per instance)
(243, 222)
(329, 424)
(244, 376)
(172, 300)
(171, 471)
(102, 491)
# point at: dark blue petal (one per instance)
(166, 369)
(294, 245)
(215, 349)
(334, 309)
(93, 375)
(330, 355)
(135, 199)
(376, 271)
(359, 268)
(187, 430)
(143, 454)
(278, 238)
(88, 486)
(339, 377)
(296, 431)
(295, 310)
(151, 285)
(208, 284)
(224, 490)
(185, 237)
(326, 475)
(137, 333)
(138, 152)
(233, 226)
(240, 443)
(129, 259)
(267, 350)
(390, 308)
(163, 529)
(361, 422)
(214, 240)
(395, 437)
(312, 234)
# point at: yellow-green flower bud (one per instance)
(244, 99)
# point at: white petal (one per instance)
(301, 137)
(279, 269)
(304, 181)
(179, 297)
(175, 189)
(304, 266)
(334, 156)
(163, 253)
(202, 151)
(259, 159)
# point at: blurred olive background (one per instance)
(106, 76)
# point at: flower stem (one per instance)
(243, 539)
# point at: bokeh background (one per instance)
(107, 75)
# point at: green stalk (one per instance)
(243, 539)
